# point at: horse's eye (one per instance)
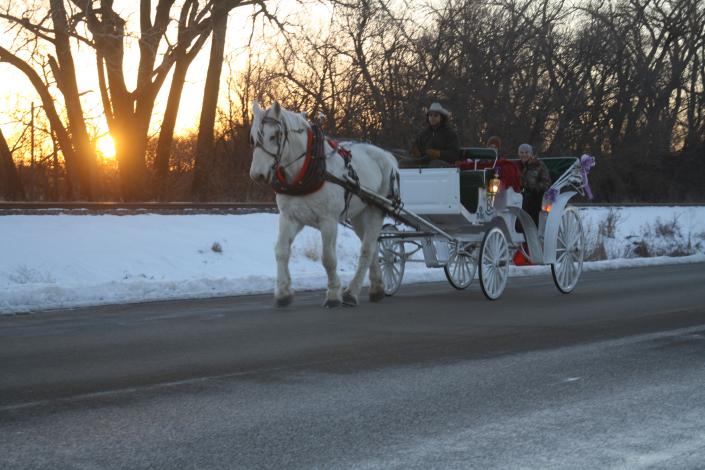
(273, 138)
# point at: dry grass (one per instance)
(608, 226)
(659, 238)
(662, 238)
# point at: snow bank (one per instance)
(63, 261)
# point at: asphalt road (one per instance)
(610, 376)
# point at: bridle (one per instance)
(282, 134)
(312, 174)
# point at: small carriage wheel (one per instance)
(570, 251)
(494, 263)
(461, 267)
(392, 259)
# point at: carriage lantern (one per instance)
(492, 190)
(494, 184)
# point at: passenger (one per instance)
(535, 180)
(437, 145)
(495, 142)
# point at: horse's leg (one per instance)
(367, 226)
(376, 283)
(288, 229)
(329, 235)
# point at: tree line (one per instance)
(622, 80)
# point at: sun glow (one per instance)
(105, 145)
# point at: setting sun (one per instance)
(106, 146)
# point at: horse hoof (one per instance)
(332, 303)
(284, 301)
(376, 296)
(349, 299)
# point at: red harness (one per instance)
(343, 152)
(311, 177)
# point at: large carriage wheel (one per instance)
(570, 251)
(392, 259)
(494, 263)
(461, 267)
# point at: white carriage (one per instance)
(465, 220)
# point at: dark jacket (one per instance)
(534, 176)
(442, 138)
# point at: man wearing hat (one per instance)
(437, 145)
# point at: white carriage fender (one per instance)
(553, 222)
(531, 234)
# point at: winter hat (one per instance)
(526, 147)
(494, 140)
(437, 108)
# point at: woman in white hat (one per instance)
(437, 145)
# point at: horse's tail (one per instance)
(394, 193)
(389, 167)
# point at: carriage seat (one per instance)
(557, 165)
(471, 181)
(477, 156)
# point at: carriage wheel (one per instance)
(570, 251)
(461, 268)
(494, 263)
(392, 259)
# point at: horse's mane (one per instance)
(293, 120)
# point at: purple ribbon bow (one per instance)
(586, 162)
(550, 195)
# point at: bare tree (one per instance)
(622, 79)
(205, 148)
(185, 53)
(206, 128)
(79, 154)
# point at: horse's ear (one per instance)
(277, 108)
(256, 110)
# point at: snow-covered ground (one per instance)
(62, 261)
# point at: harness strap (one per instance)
(346, 155)
(311, 176)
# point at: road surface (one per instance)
(610, 376)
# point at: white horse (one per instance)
(282, 148)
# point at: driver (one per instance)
(437, 145)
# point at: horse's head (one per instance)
(277, 137)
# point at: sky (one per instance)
(65, 261)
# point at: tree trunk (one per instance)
(10, 184)
(204, 146)
(65, 74)
(166, 134)
(130, 137)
